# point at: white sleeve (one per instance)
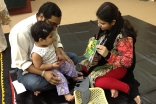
(20, 51)
(57, 40)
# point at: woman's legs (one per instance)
(111, 80)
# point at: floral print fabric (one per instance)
(121, 56)
(5, 17)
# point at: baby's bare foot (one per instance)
(69, 97)
(36, 93)
(114, 93)
(137, 99)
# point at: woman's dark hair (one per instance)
(109, 12)
(40, 30)
(128, 30)
(48, 9)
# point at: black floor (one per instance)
(75, 37)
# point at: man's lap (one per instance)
(33, 82)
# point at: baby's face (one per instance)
(50, 38)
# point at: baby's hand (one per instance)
(56, 64)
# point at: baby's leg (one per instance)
(62, 88)
(69, 70)
(69, 97)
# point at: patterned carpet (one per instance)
(2, 95)
(5, 88)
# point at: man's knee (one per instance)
(34, 82)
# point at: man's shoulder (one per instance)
(25, 23)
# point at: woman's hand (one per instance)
(91, 38)
(102, 50)
(96, 60)
(51, 77)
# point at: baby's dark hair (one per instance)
(40, 30)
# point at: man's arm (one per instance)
(66, 58)
(34, 70)
(50, 76)
(59, 55)
(60, 48)
(20, 46)
(57, 40)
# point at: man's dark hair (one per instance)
(48, 9)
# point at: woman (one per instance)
(115, 59)
(4, 20)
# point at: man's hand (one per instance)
(67, 58)
(61, 58)
(51, 77)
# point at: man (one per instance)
(21, 45)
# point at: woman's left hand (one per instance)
(102, 50)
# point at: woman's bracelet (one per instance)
(43, 73)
